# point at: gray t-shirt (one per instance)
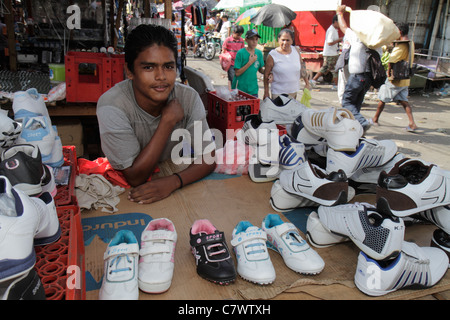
(125, 128)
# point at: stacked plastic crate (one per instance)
(60, 265)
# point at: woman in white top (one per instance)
(284, 68)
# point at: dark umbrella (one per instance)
(274, 15)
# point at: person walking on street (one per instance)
(225, 30)
(248, 62)
(285, 64)
(359, 81)
(397, 90)
(232, 45)
(330, 51)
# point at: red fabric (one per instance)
(103, 167)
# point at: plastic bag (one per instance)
(373, 28)
(225, 60)
(306, 98)
(233, 158)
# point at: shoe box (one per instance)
(70, 131)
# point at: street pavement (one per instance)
(431, 110)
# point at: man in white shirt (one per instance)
(330, 51)
(225, 29)
(359, 81)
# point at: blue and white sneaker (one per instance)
(284, 238)
(290, 154)
(29, 103)
(415, 266)
(39, 132)
(18, 224)
(120, 273)
(370, 153)
(253, 260)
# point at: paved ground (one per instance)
(431, 111)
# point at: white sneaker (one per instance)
(285, 239)
(253, 260)
(120, 272)
(366, 179)
(441, 240)
(18, 224)
(259, 172)
(313, 83)
(337, 126)
(318, 235)
(370, 153)
(157, 253)
(310, 181)
(418, 266)
(255, 132)
(49, 229)
(283, 110)
(283, 201)
(290, 154)
(377, 236)
(10, 130)
(29, 103)
(412, 186)
(38, 131)
(439, 216)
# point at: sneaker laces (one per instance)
(216, 250)
(117, 260)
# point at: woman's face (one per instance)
(285, 41)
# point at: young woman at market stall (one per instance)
(138, 116)
(286, 65)
(248, 62)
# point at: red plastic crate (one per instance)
(88, 75)
(66, 193)
(117, 68)
(61, 264)
(223, 114)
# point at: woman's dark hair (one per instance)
(144, 36)
(288, 31)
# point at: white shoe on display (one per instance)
(336, 125)
(49, 229)
(253, 260)
(312, 182)
(369, 154)
(256, 132)
(412, 186)
(18, 223)
(120, 272)
(377, 236)
(318, 235)
(157, 254)
(283, 110)
(284, 238)
(415, 266)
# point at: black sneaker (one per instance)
(22, 165)
(212, 257)
(25, 287)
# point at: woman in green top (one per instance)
(248, 62)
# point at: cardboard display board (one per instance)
(226, 200)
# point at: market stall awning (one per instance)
(308, 5)
(229, 4)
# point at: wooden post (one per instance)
(9, 21)
(168, 9)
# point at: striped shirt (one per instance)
(232, 46)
